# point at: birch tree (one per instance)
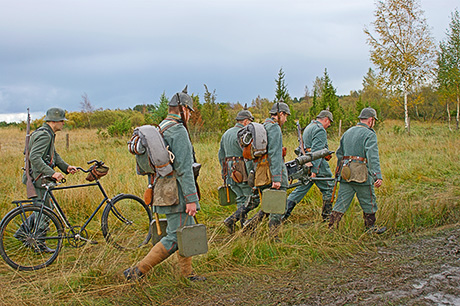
(449, 66)
(401, 46)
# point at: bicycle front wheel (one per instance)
(126, 222)
(30, 238)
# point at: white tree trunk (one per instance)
(458, 109)
(448, 115)
(406, 112)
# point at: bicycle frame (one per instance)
(61, 213)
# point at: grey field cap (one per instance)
(55, 114)
(182, 98)
(244, 114)
(368, 112)
(280, 107)
(325, 114)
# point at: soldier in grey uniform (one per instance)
(279, 180)
(43, 159)
(234, 167)
(315, 139)
(358, 159)
(177, 138)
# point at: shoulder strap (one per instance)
(166, 124)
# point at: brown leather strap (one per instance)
(359, 158)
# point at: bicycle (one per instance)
(125, 224)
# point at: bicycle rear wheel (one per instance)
(126, 222)
(25, 245)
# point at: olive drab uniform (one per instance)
(314, 139)
(176, 137)
(358, 145)
(231, 159)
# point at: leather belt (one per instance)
(233, 158)
(359, 158)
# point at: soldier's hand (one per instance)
(72, 169)
(276, 185)
(378, 183)
(58, 176)
(190, 209)
(313, 174)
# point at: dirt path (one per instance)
(412, 271)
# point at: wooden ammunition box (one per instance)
(273, 201)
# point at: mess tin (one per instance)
(273, 201)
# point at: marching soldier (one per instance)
(234, 168)
(315, 139)
(175, 135)
(277, 178)
(358, 159)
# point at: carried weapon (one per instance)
(338, 169)
(300, 168)
(196, 166)
(299, 137)
(31, 192)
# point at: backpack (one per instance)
(152, 156)
(253, 139)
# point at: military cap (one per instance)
(325, 114)
(182, 98)
(368, 112)
(244, 114)
(55, 114)
(279, 107)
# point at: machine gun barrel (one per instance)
(311, 156)
(299, 169)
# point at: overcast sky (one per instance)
(124, 53)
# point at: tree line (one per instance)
(413, 80)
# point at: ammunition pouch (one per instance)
(239, 173)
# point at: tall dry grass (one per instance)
(421, 190)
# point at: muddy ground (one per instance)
(412, 270)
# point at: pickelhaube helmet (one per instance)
(279, 107)
(244, 114)
(325, 114)
(55, 114)
(182, 98)
(368, 112)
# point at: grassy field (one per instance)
(421, 191)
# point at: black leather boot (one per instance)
(327, 208)
(334, 220)
(289, 207)
(369, 223)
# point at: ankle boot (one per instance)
(230, 221)
(289, 207)
(369, 223)
(156, 255)
(252, 223)
(327, 208)
(185, 266)
(334, 219)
